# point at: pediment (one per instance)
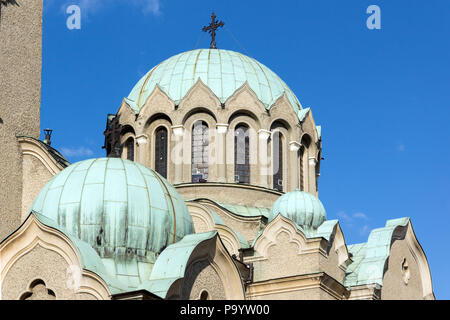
(201, 96)
(245, 96)
(283, 110)
(157, 102)
(126, 114)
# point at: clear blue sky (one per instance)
(381, 96)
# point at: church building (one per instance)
(209, 189)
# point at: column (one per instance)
(263, 158)
(294, 166)
(176, 154)
(221, 153)
(141, 154)
(312, 176)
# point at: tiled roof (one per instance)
(223, 71)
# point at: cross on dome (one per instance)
(213, 26)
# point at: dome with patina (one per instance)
(306, 210)
(117, 206)
(222, 71)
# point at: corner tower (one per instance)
(20, 94)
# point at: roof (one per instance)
(223, 71)
(303, 208)
(245, 211)
(369, 258)
(55, 154)
(128, 276)
(324, 231)
(90, 260)
(171, 264)
(121, 208)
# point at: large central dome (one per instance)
(223, 71)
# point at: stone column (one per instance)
(176, 154)
(221, 152)
(141, 152)
(294, 166)
(312, 176)
(263, 158)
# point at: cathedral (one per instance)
(209, 190)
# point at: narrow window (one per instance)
(302, 174)
(277, 161)
(161, 151)
(304, 164)
(200, 149)
(204, 295)
(129, 146)
(241, 154)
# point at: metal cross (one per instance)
(213, 26)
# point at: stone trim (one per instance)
(319, 280)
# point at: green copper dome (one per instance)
(119, 207)
(223, 71)
(303, 208)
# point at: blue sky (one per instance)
(381, 96)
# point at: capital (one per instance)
(178, 131)
(142, 139)
(264, 134)
(294, 146)
(222, 128)
(312, 162)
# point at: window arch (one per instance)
(304, 163)
(161, 142)
(242, 154)
(200, 151)
(129, 149)
(38, 290)
(277, 152)
(204, 295)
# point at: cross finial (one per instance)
(213, 26)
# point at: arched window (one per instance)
(38, 291)
(200, 150)
(204, 295)
(129, 149)
(241, 154)
(304, 163)
(161, 151)
(277, 161)
(302, 171)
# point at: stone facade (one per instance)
(243, 107)
(20, 96)
(240, 248)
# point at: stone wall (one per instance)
(402, 279)
(20, 78)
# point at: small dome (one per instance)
(223, 71)
(303, 208)
(117, 206)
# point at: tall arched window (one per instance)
(304, 163)
(277, 161)
(129, 149)
(200, 150)
(161, 151)
(302, 171)
(242, 154)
